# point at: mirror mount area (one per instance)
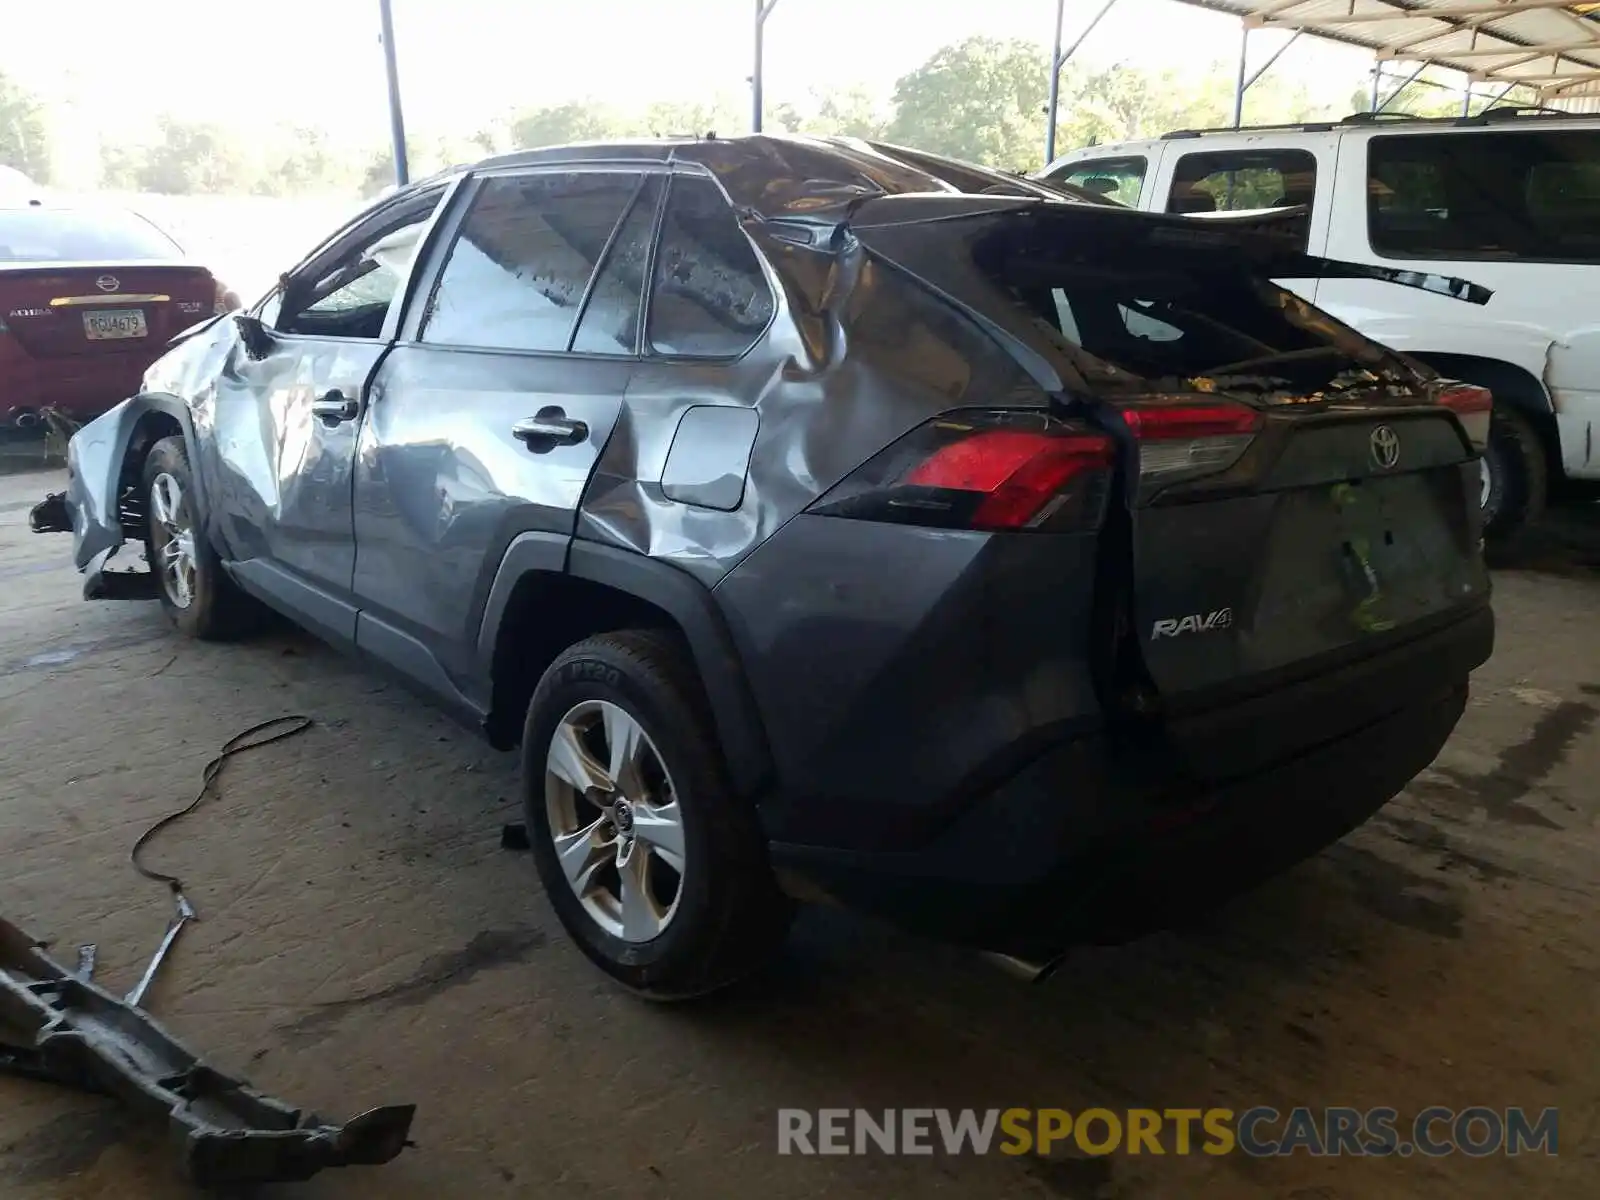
(257, 338)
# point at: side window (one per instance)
(610, 321)
(1119, 179)
(351, 296)
(521, 263)
(1231, 180)
(709, 297)
(1524, 194)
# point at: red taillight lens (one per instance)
(1184, 440)
(1472, 407)
(995, 472)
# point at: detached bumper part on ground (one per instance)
(229, 1134)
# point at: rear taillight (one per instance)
(1181, 440)
(993, 471)
(1472, 407)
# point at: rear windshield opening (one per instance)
(60, 235)
(1172, 315)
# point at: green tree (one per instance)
(851, 112)
(120, 165)
(299, 160)
(785, 118)
(24, 133)
(194, 156)
(981, 99)
(673, 118)
(556, 125)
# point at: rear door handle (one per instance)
(334, 407)
(549, 429)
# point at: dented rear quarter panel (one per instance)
(856, 356)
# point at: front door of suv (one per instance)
(288, 408)
(487, 418)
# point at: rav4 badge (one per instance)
(1210, 622)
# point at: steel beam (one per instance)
(397, 121)
(1239, 81)
(1276, 55)
(1443, 13)
(1055, 86)
(1395, 95)
(763, 11)
(1060, 60)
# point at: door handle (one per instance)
(333, 407)
(549, 429)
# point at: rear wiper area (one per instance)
(1266, 360)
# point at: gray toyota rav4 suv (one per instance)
(1022, 569)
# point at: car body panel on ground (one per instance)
(941, 495)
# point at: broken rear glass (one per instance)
(1170, 315)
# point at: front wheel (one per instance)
(195, 593)
(656, 868)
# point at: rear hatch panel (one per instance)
(1347, 528)
(1306, 549)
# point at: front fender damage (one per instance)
(91, 508)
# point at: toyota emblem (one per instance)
(108, 283)
(1385, 444)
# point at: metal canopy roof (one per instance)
(1552, 46)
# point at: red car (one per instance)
(88, 300)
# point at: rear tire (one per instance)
(1517, 485)
(715, 913)
(196, 594)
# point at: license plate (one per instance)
(104, 325)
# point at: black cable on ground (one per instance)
(280, 727)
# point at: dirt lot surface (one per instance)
(365, 940)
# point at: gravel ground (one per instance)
(364, 940)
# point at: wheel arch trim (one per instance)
(683, 599)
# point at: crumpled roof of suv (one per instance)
(775, 175)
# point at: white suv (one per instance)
(1509, 199)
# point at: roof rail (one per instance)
(1489, 116)
(1302, 126)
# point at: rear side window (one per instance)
(610, 321)
(709, 298)
(1119, 179)
(1234, 180)
(58, 235)
(522, 261)
(1524, 194)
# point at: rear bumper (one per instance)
(1071, 849)
(80, 388)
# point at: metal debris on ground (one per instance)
(84, 1037)
(230, 1135)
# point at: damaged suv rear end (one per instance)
(1187, 604)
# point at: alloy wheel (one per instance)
(173, 542)
(615, 820)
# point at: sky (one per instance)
(463, 62)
